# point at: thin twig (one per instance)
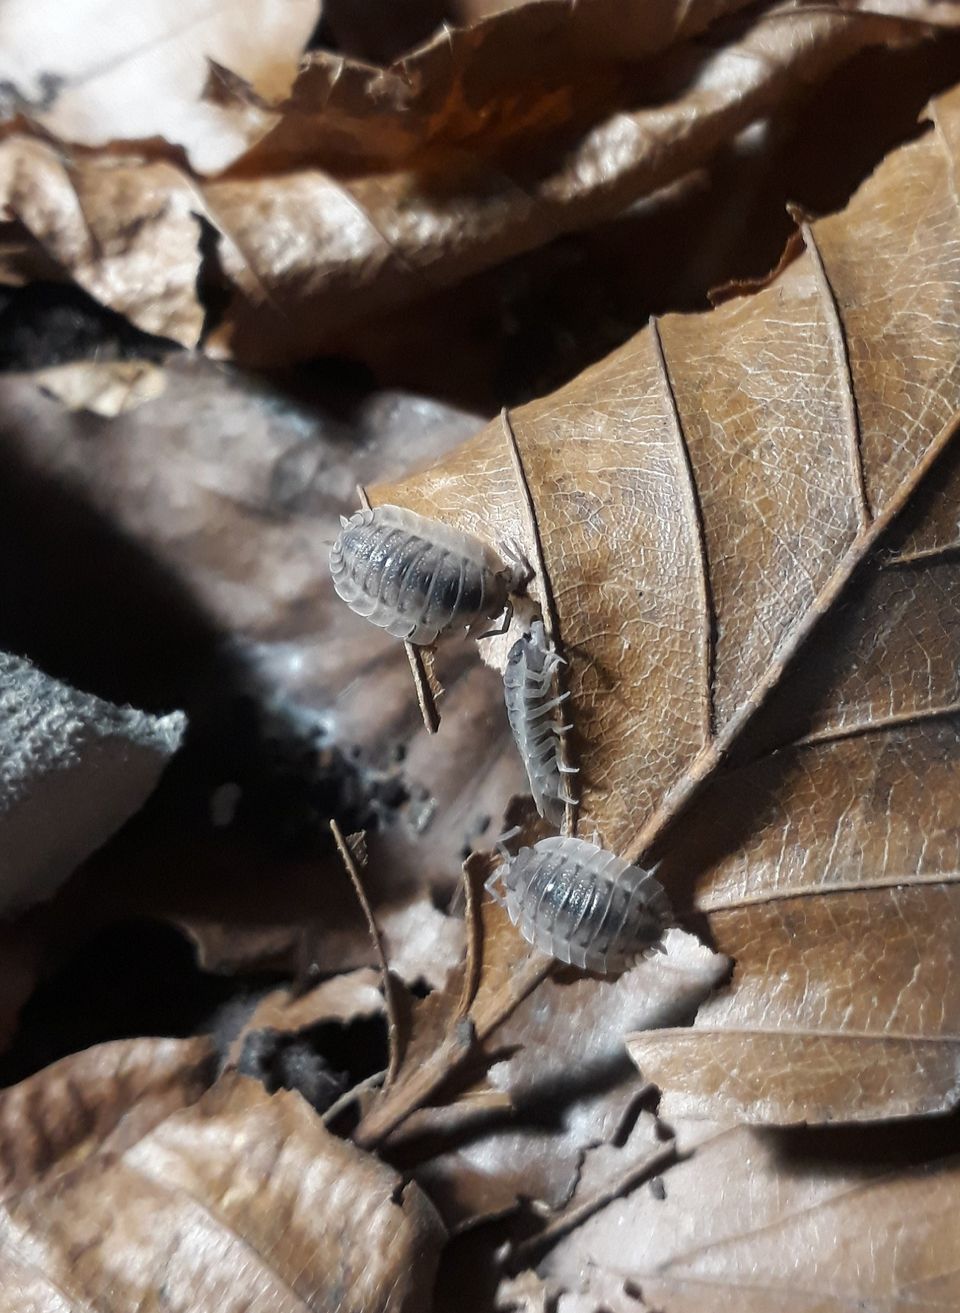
(424, 679)
(523, 1254)
(389, 994)
(351, 1095)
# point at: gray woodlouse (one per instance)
(416, 577)
(527, 688)
(582, 904)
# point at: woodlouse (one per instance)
(416, 577)
(582, 904)
(527, 690)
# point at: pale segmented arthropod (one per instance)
(531, 708)
(416, 577)
(582, 904)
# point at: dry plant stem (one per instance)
(522, 1255)
(473, 897)
(389, 996)
(350, 1096)
(424, 680)
(552, 624)
(410, 1095)
(712, 757)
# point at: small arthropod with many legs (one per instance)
(582, 904)
(532, 712)
(418, 578)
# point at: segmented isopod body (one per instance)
(582, 904)
(531, 711)
(416, 577)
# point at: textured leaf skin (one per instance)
(749, 518)
(242, 1201)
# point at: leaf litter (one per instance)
(800, 808)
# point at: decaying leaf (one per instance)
(386, 238)
(98, 1101)
(242, 1200)
(96, 79)
(754, 1220)
(749, 519)
(375, 187)
(565, 1082)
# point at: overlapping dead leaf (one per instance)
(375, 187)
(241, 1200)
(751, 565)
(753, 1220)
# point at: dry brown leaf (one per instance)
(756, 1220)
(89, 76)
(241, 1201)
(124, 229)
(101, 1100)
(309, 251)
(377, 186)
(566, 1085)
(705, 497)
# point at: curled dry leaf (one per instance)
(754, 1220)
(749, 519)
(153, 73)
(242, 1200)
(101, 1100)
(375, 187)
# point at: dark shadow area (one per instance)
(131, 979)
(877, 1147)
(45, 323)
(321, 1062)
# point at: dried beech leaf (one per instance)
(90, 80)
(380, 239)
(753, 552)
(376, 186)
(241, 1201)
(569, 1069)
(103, 1099)
(754, 1220)
(125, 230)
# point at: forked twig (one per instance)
(389, 994)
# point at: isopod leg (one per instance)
(491, 887)
(507, 617)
